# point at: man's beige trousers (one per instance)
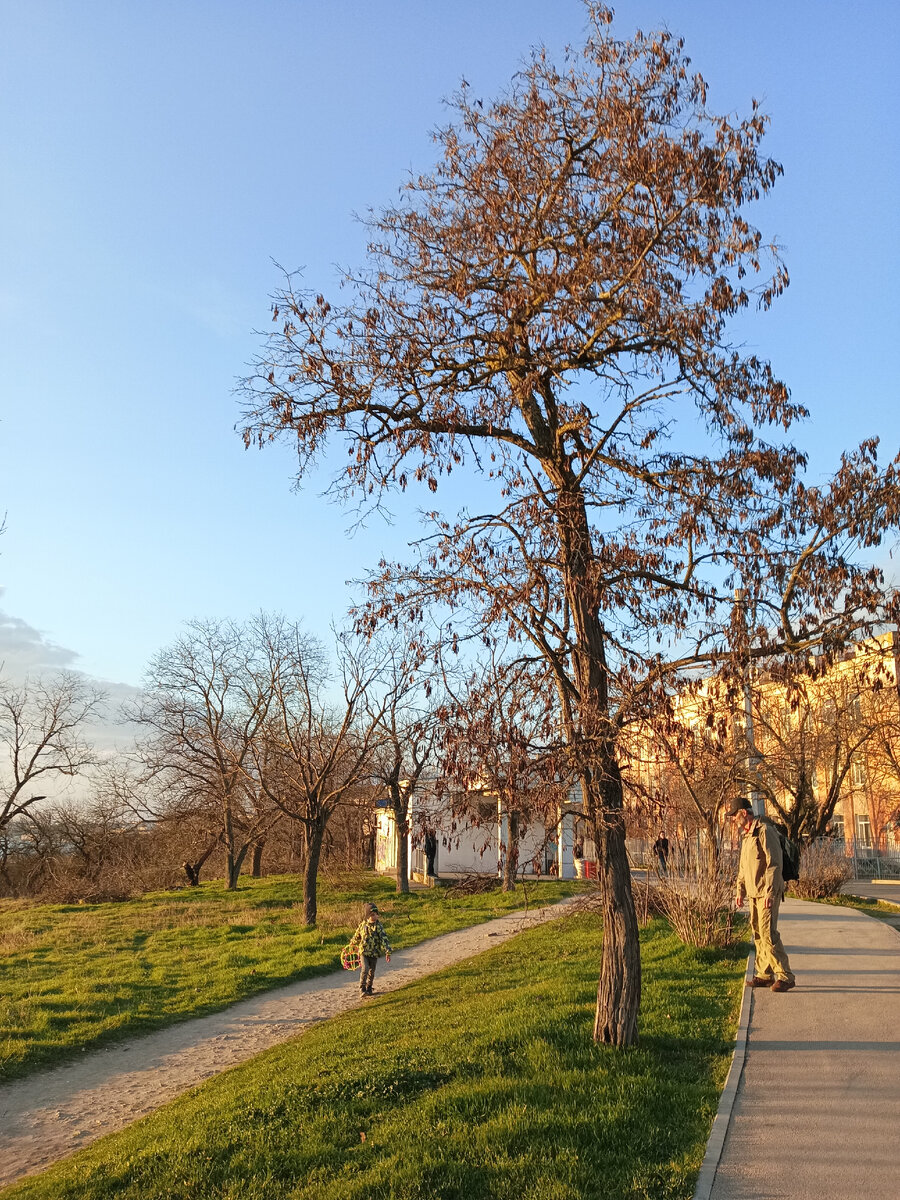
(771, 958)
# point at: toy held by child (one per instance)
(371, 941)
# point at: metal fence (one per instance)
(869, 863)
(687, 852)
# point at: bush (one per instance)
(699, 905)
(823, 872)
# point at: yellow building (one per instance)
(820, 751)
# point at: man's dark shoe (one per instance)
(783, 985)
(761, 981)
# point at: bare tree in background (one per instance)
(206, 700)
(315, 749)
(404, 713)
(499, 738)
(809, 734)
(42, 737)
(697, 763)
(186, 821)
(551, 305)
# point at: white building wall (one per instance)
(467, 847)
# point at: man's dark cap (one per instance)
(738, 804)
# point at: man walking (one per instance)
(760, 880)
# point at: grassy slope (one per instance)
(479, 1082)
(74, 976)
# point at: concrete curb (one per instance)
(719, 1131)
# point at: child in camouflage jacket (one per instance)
(371, 941)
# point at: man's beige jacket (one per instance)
(759, 874)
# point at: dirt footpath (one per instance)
(51, 1114)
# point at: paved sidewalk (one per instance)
(874, 889)
(817, 1110)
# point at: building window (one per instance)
(858, 772)
(863, 832)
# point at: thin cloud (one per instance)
(25, 650)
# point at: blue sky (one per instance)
(159, 157)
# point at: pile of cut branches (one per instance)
(473, 883)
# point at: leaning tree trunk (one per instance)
(192, 869)
(256, 860)
(619, 987)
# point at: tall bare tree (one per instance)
(42, 727)
(551, 306)
(813, 736)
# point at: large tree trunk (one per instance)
(619, 987)
(314, 836)
(256, 860)
(233, 860)
(368, 851)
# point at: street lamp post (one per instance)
(752, 793)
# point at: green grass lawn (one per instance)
(874, 908)
(74, 976)
(478, 1083)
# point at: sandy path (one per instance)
(55, 1112)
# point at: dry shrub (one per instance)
(75, 889)
(699, 905)
(823, 872)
